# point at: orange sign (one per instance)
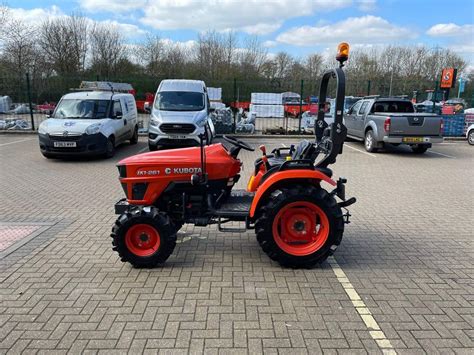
(448, 78)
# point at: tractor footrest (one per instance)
(237, 206)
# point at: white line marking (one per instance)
(444, 155)
(23, 140)
(360, 151)
(142, 150)
(283, 145)
(374, 329)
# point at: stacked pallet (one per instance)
(267, 105)
(453, 125)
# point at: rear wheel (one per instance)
(470, 137)
(369, 141)
(134, 139)
(300, 226)
(419, 149)
(143, 237)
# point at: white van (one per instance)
(89, 123)
(180, 113)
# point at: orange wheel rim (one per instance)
(300, 228)
(142, 239)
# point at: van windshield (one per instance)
(179, 101)
(79, 108)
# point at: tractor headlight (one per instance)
(93, 128)
(42, 128)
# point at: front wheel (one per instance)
(369, 142)
(300, 226)
(110, 148)
(134, 139)
(470, 137)
(143, 237)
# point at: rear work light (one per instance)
(386, 124)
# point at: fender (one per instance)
(287, 175)
(372, 125)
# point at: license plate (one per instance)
(413, 139)
(176, 137)
(64, 144)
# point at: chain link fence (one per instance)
(251, 104)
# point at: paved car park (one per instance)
(401, 281)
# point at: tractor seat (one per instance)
(304, 150)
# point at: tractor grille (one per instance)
(180, 128)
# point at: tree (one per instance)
(64, 42)
(151, 54)
(107, 50)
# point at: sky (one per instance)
(299, 27)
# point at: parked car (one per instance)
(180, 114)
(470, 134)
(378, 121)
(89, 123)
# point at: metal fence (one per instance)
(25, 101)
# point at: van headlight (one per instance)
(153, 122)
(42, 128)
(93, 128)
(202, 121)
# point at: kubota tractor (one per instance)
(298, 222)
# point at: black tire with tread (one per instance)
(110, 150)
(281, 197)
(372, 148)
(134, 139)
(419, 149)
(152, 148)
(144, 215)
(470, 137)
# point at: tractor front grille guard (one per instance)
(330, 138)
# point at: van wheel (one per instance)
(134, 139)
(369, 142)
(470, 137)
(152, 147)
(110, 150)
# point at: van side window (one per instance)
(117, 109)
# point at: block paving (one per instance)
(408, 254)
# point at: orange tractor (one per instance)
(297, 221)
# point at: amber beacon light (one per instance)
(342, 53)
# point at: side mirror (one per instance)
(118, 115)
(48, 116)
(146, 107)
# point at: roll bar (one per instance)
(330, 139)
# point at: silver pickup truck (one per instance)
(378, 121)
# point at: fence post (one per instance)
(435, 95)
(28, 90)
(235, 105)
(368, 87)
(301, 106)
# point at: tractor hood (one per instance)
(180, 164)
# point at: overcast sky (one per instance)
(296, 26)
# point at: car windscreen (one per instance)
(80, 108)
(393, 107)
(179, 101)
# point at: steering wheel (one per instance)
(238, 143)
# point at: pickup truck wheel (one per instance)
(470, 137)
(299, 227)
(134, 139)
(369, 142)
(419, 149)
